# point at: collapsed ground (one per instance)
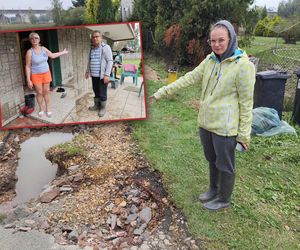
(106, 194)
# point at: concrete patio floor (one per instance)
(123, 102)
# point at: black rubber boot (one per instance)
(213, 184)
(102, 109)
(96, 105)
(224, 194)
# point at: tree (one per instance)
(116, 8)
(192, 18)
(32, 17)
(289, 8)
(57, 11)
(90, 16)
(146, 12)
(269, 26)
(78, 3)
(99, 11)
(74, 16)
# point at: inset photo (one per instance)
(70, 75)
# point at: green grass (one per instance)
(285, 58)
(69, 149)
(130, 61)
(260, 44)
(265, 205)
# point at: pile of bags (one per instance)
(266, 122)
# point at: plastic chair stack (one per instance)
(131, 71)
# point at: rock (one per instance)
(49, 196)
(167, 242)
(73, 236)
(73, 168)
(115, 241)
(29, 222)
(133, 209)
(131, 218)
(140, 230)
(24, 229)
(44, 225)
(136, 200)
(145, 236)
(113, 221)
(161, 236)
(110, 237)
(123, 204)
(124, 245)
(146, 215)
(133, 224)
(134, 192)
(78, 177)
(119, 223)
(144, 247)
(121, 234)
(21, 211)
(67, 229)
(61, 182)
(145, 195)
(9, 226)
(66, 188)
(154, 205)
(109, 207)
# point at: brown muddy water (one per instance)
(34, 171)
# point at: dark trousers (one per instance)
(219, 150)
(99, 88)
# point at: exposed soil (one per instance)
(106, 195)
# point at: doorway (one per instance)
(50, 41)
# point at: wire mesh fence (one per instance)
(282, 60)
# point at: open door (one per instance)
(48, 40)
(54, 64)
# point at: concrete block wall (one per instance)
(77, 41)
(11, 83)
(66, 61)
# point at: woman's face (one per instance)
(35, 40)
(219, 40)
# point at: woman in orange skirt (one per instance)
(38, 72)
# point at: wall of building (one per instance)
(73, 65)
(11, 83)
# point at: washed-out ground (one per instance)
(105, 196)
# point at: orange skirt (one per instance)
(41, 78)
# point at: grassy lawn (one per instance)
(260, 44)
(131, 61)
(285, 58)
(265, 206)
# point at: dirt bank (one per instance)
(106, 195)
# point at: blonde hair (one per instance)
(32, 34)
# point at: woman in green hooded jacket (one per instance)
(225, 114)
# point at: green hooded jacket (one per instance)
(226, 99)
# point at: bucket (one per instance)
(172, 75)
(30, 101)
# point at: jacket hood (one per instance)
(232, 46)
(238, 53)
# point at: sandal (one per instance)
(41, 113)
(49, 113)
